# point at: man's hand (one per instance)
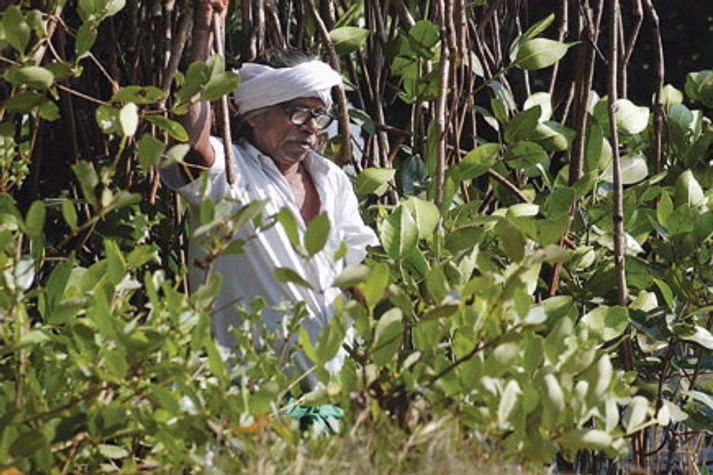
(203, 11)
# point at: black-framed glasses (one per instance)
(301, 115)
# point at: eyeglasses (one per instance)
(301, 115)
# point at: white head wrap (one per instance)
(263, 86)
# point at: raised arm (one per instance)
(197, 121)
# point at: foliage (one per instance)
(108, 363)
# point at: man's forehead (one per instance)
(311, 102)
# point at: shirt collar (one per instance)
(314, 162)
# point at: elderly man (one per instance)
(284, 108)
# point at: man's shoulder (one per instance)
(329, 168)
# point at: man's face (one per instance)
(286, 143)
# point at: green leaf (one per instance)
(542, 99)
(112, 451)
(606, 323)
(539, 53)
(49, 111)
(347, 39)
(331, 338)
(399, 234)
(28, 443)
(23, 102)
(107, 119)
(699, 335)
(699, 87)
(525, 155)
(631, 118)
(316, 234)
(426, 215)
(539, 27)
(373, 181)
(633, 170)
(508, 401)
(351, 276)
(150, 151)
(138, 95)
(17, 31)
(86, 36)
(553, 400)
(88, 180)
(375, 285)
(512, 241)
(579, 439)
(69, 214)
(477, 161)
(116, 363)
(128, 119)
(387, 337)
(289, 225)
(522, 125)
(306, 344)
(287, 275)
(670, 95)
(558, 202)
(688, 191)
(635, 414)
(220, 85)
(35, 77)
(197, 75)
(35, 219)
(172, 128)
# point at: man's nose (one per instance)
(311, 125)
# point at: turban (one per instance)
(263, 86)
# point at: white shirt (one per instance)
(251, 274)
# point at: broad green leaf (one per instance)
(508, 401)
(86, 36)
(88, 180)
(197, 75)
(477, 161)
(176, 153)
(107, 119)
(49, 111)
(220, 85)
(112, 7)
(375, 284)
(426, 215)
(17, 31)
(35, 77)
(605, 322)
(35, 219)
(699, 335)
(115, 363)
(699, 87)
(289, 225)
(553, 136)
(331, 338)
(670, 95)
(347, 39)
(373, 180)
(23, 102)
(511, 240)
(387, 337)
(633, 170)
(522, 125)
(599, 378)
(69, 214)
(688, 191)
(635, 414)
(128, 119)
(138, 95)
(150, 151)
(436, 284)
(579, 439)
(351, 276)
(172, 128)
(553, 400)
(542, 99)
(216, 364)
(558, 202)
(28, 443)
(631, 118)
(316, 234)
(525, 155)
(307, 346)
(287, 275)
(533, 32)
(423, 36)
(399, 234)
(539, 53)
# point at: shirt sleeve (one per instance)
(354, 232)
(217, 186)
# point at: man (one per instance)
(283, 108)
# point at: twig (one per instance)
(218, 42)
(659, 61)
(444, 9)
(344, 131)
